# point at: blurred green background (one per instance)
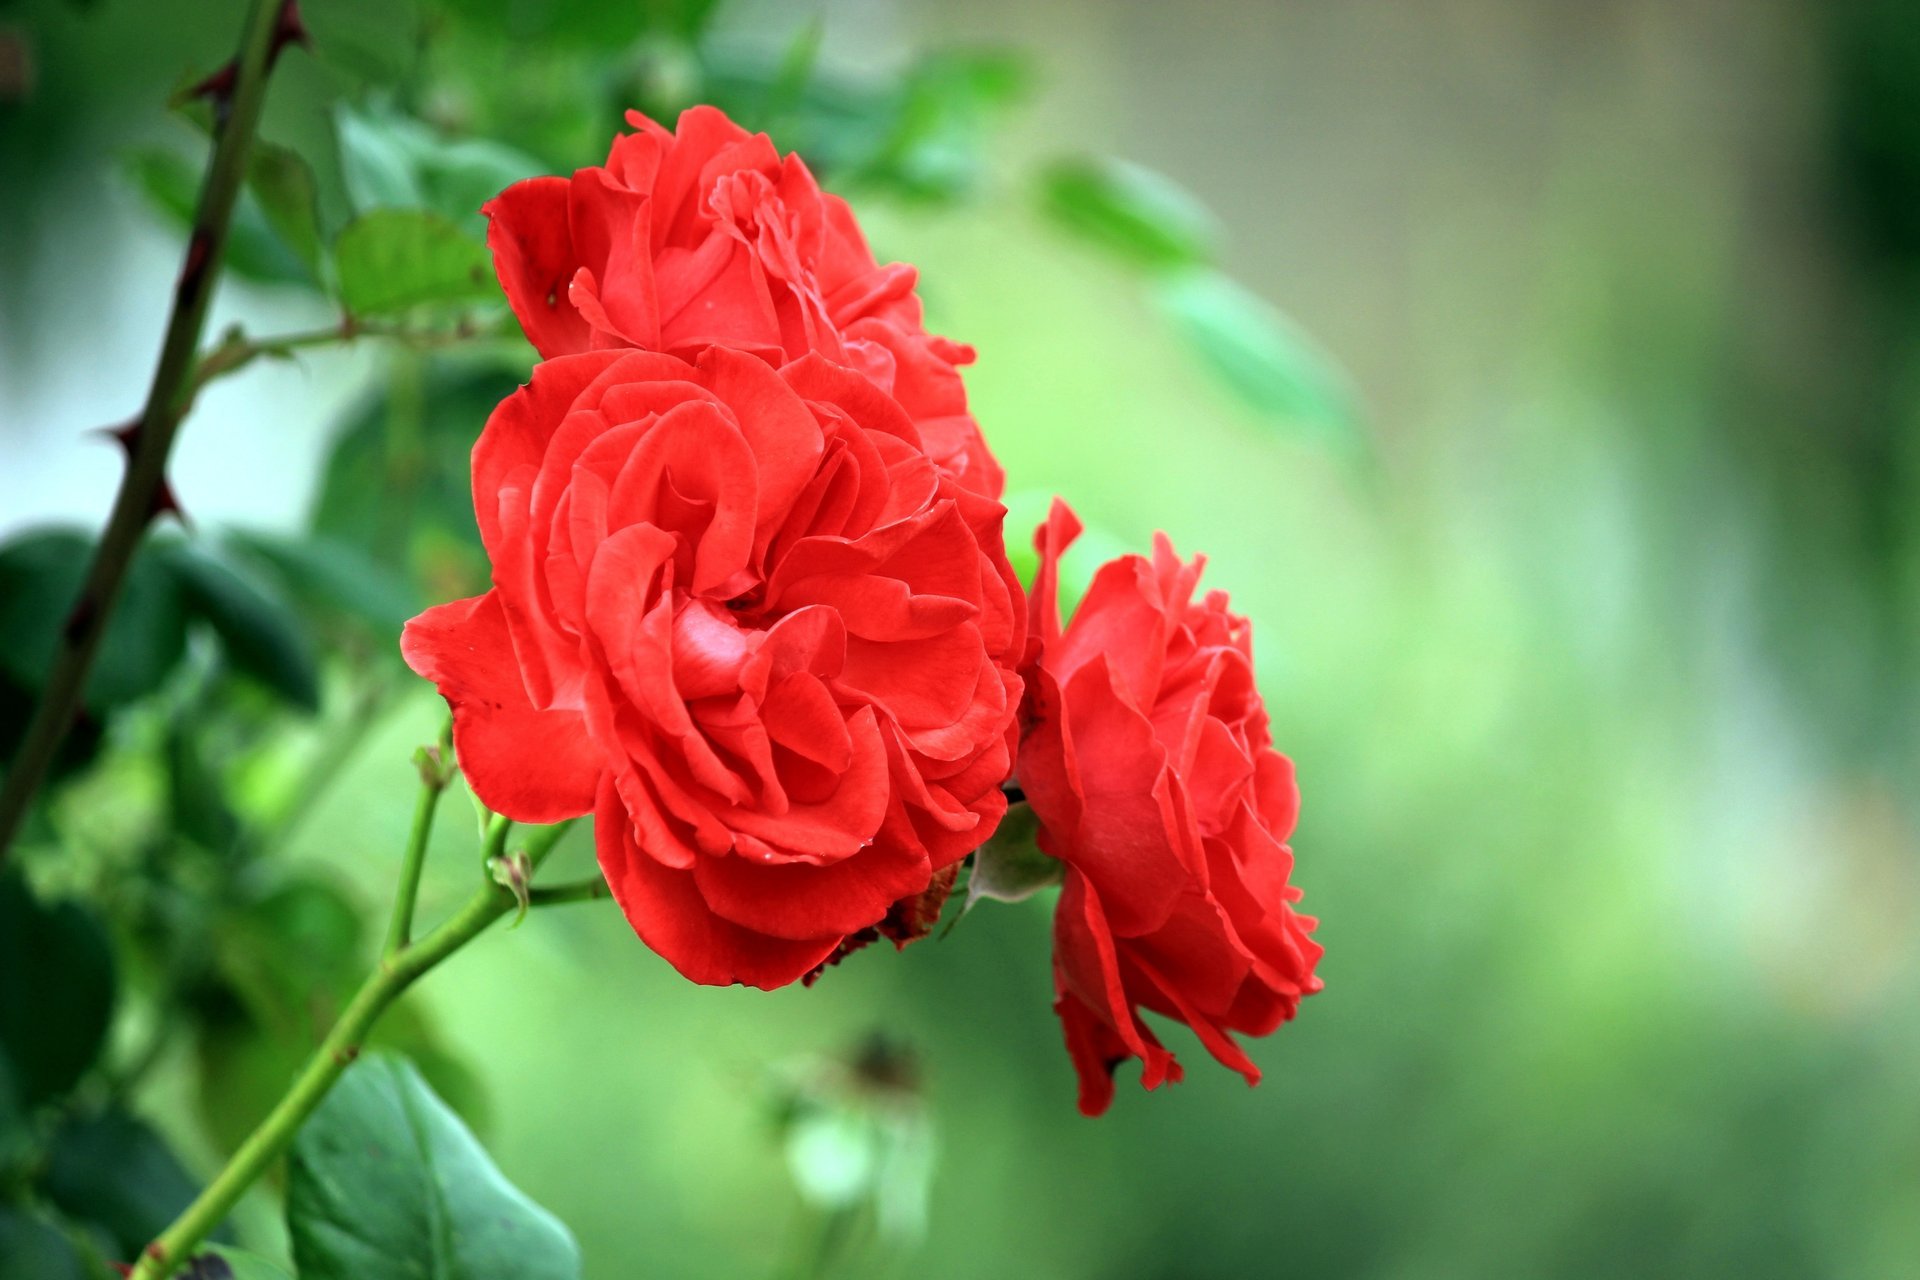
(1592, 632)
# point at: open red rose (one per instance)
(705, 236)
(1146, 757)
(740, 615)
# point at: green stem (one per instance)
(236, 350)
(400, 927)
(386, 984)
(151, 439)
(578, 891)
(323, 1070)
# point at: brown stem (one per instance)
(144, 492)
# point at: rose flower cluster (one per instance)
(752, 609)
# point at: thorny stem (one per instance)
(143, 490)
(396, 972)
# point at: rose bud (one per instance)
(1146, 757)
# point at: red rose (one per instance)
(739, 614)
(705, 236)
(1146, 758)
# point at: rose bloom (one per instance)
(740, 615)
(1147, 760)
(705, 236)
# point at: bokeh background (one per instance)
(1591, 628)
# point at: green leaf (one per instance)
(115, 1172)
(392, 161)
(56, 991)
(257, 628)
(196, 795)
(255, 250)
(332, 579)
(1010, 866)
(40, 578)
(1140, 216)
(32, 1248)
(1260, 355)
(239, 1265)
(283, 184)
(398, 485)
(385, 1183)
(376, 160)
(391, 260)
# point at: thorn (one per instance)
(126, 435)
(216, 88)
(289, 29)
(167, 503)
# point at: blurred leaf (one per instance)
(392, 161)
(593, 26)
(948, 105)
(56, 991)
(795, 70)
(385, 1184)
(394, 259)
(332, 578)
(40, 579)
(398, 484)
(377, 163)
(1260, 355)
(1140, 216)
(32, 1248)
(238, 1265)
(283, 184)
(257, 630)
(171, 184)
(1010, 866)
(196, 799)
(923, 134)
(17, 701)
(115, 1172)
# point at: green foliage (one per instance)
(56, 992)
(255, 249)
(384, 1183)
(391, 161)
(281, 182)
(285, 966)
(333, 582)
(397, 486)
(394, 260)
(31, 1248)
(1139, 216)
(113, 1173)
(1259, 354)
(257, 628)
(240, 1265)
(40, 578)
